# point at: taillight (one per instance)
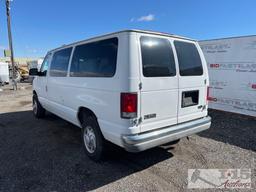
(129, 105)
(208, 94)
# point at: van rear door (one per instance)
(193, 79)
(159, 90)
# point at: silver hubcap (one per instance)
(34, 106)
(89, 139)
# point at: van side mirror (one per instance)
(33, 72)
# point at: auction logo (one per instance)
(237, 103)
(216, 65)
(219, 178)
(251, 45)
(238, 67)
(216, 48)
(216, 84)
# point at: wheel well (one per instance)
(86, 111)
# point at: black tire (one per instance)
(38, 110)
(91, 130)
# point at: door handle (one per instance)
(46, 88)
(202, 107)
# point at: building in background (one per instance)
(232, 71)
(18, 60)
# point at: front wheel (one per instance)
(94, 143)
(38, 110)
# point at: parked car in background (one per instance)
(136, 89)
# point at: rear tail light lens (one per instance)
(129, 105)
(208, 94)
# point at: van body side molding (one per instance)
(143, 141)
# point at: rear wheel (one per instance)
(93, 140)
(38, 110)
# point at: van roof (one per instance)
(128, 30)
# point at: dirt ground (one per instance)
(47, 154)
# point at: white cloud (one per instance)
(149, 17)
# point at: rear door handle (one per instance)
(46, 88)
(202, 107)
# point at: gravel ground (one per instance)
(46, 154)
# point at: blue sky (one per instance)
(40, 25)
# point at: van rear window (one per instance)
(157, 57)
(190, 63)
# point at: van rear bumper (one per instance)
(143, 141)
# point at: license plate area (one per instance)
(190, 98)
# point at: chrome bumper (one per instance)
(143, 141)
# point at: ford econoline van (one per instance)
(136, 89)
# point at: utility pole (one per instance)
(14, 83)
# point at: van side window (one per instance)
(59, 64)
(45, 64)
(97, 59)
(157, 57)
(190, 63)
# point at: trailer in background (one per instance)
(232, 71)
(4, 73)
(35, 64)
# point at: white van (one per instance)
(136, 89)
